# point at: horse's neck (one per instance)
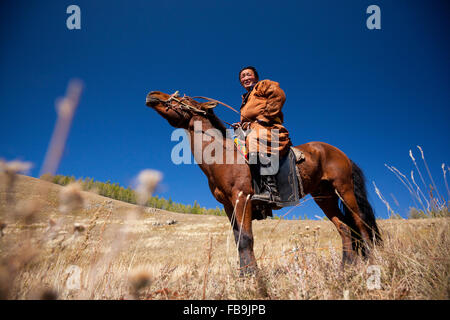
(202, 134)
(228, 166)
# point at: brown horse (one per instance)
(334, 181)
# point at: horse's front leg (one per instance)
(241, 221)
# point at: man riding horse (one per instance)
(266, 137)
(332, 179)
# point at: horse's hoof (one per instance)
(348, 259)
(248, 271)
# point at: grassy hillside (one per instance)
(121, 251)
(117, 192)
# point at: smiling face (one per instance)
(248, 79)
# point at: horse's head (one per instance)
(178, 111)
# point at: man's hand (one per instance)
(243, 125)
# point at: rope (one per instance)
(224, 104)
(217, 101)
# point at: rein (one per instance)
(183, 105)
(225, 105)
(217, 101)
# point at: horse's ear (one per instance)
(209, 105)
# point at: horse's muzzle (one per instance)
(151, 101)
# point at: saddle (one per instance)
(288, 181)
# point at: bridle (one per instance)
(175, 104)
(180, 105)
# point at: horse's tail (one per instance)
(366, 210)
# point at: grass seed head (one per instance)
(11, 169)
(147, 182)
(71, 198)
(27, 211)
(79, 228)
(48, 294)
(2, 227)
(43, 293)
(5, 282)
(15, 166)
(139, 278)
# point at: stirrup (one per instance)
(267, 195)
(262, 197)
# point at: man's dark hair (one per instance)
(251, 68)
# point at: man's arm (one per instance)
(269, 89)
(275, 98)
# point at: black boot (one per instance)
(269, 190)
(263, 195)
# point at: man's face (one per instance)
(248, 79)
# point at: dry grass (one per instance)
(121, 251)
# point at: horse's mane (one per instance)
(216, 122)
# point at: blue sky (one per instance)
(375, 94)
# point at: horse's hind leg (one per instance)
(347, 196)
(329, 204)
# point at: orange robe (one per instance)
(261, 108)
